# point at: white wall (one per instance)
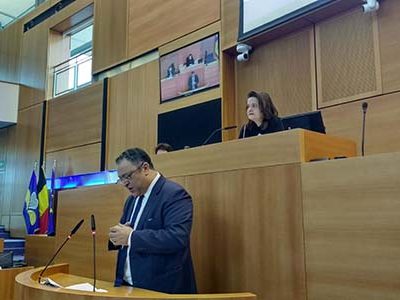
(9, 94)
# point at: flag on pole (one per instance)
(31, 208)
(43, 197)
(51, 229)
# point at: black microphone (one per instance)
(364, 110)
(216, 131)
(59, 248)
(93, 225)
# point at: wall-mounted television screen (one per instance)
(257, 16)
(191, 69)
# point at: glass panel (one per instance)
(64, 81)
(85, 72)
(81, 40)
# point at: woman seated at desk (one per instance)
(262, 115)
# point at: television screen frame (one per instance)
(279, 21)
(200, 89)
(317, 125)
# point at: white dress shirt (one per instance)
(127, 267)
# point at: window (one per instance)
(75, 72)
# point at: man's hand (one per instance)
(119, 234)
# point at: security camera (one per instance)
(370, 6)
(243, 56)
(244, 52)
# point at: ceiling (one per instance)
(13, 9)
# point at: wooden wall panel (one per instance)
(389, 31)
(285, 69)
(351, 228)
(78, 160)
(9, 52)
(7, 279)
(33, 61)
(75, 119)
(229, 23)
(39, 249)
(22, 149)
(106, 203)
(134, 97)
(110, 33)
(165, 21)
(382, 133)
(347, 55)
(247, 232)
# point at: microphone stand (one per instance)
(94, 252)
(364, 109)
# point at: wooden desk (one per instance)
(285, 147)
(28, 288)
(7, 277)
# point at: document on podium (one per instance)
(84, 287)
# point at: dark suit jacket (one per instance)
(160, 246)
(251, 129)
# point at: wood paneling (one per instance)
(389, 31)
(78, 160)
(76, 18)
(39, 249)
(212, 94)
(110, 33)
(7, 277)
(27, 288)
(134, 97)
(33, 62)
(247, 232)
(165, 21)
(294, 146)
(382, 133)
(228, 95)
(351, 228)
(22, 146)
(106, 203)
(9, 52)
(75, 119)
(347, 56)
(284, 69)
(230, 10)
(190, 38)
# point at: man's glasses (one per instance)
(129, 176)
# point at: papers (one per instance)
(87, 287)
(84, 287)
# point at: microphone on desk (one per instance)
(73, 231)
(216, 131)
(364, 110)
(93, 226)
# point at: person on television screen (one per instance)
(163, 148)
(262, 116)
(189, 60)
(153, 234)
(193, 81)
(171, 71)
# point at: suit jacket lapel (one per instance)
(129, 211)
(151, 202)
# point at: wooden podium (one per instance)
(248, 214)
(28, 288)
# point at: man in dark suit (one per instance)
(153, 235)
(193, 81)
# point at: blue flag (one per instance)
(31, 207)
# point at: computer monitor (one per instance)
(310, 121)
(6, 259)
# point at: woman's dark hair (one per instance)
(267, 107)
(163, 146)
(136, 156)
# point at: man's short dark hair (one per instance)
(135, 156)
(163, 146)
